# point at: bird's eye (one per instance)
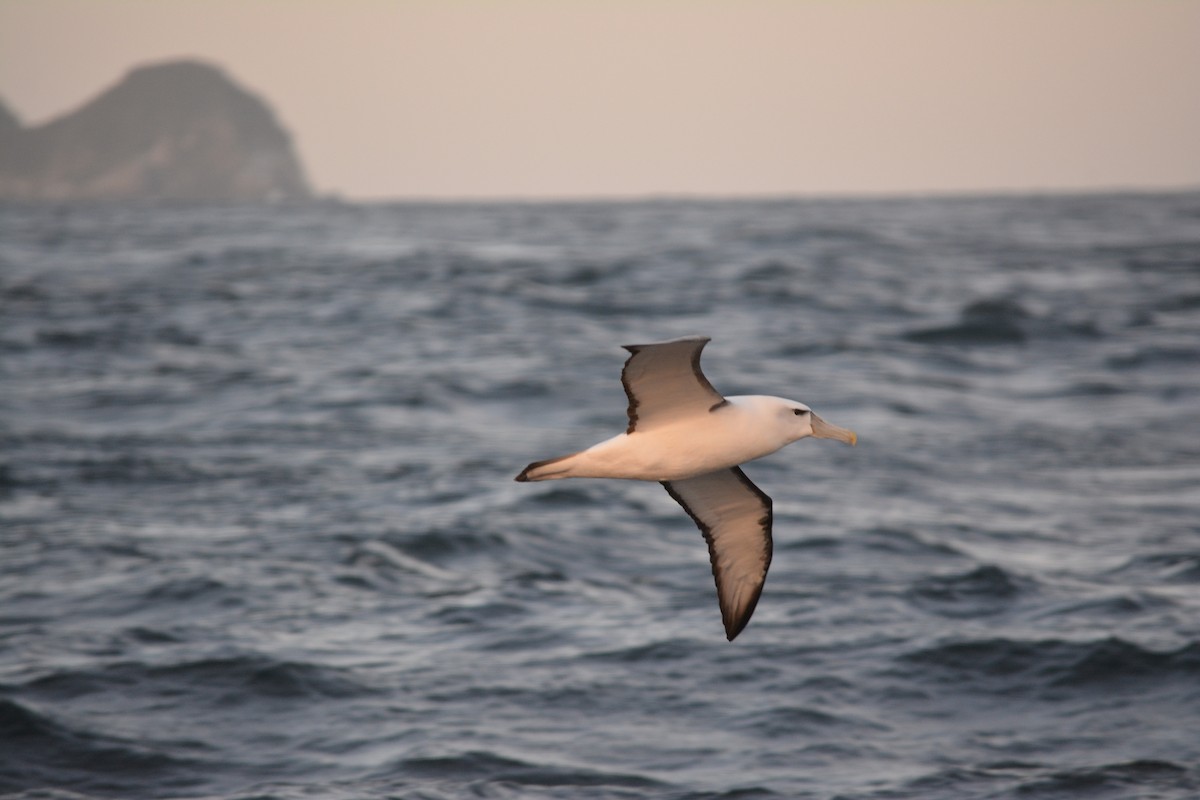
(799, 412)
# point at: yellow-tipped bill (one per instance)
(823, 430)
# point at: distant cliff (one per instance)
(177, 131)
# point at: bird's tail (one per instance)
(547, 470)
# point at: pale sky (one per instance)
(578, 98)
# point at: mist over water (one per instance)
(259, 535)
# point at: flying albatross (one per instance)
(684, 434)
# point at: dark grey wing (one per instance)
(735, 517)
(663, 382)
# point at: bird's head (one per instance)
(801, 423)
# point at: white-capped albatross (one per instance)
(685, 435)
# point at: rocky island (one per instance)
(180, 131)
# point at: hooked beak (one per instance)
(823, 430)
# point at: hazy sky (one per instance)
(536, 98)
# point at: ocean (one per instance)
(260, 538)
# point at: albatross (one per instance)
(684, 434)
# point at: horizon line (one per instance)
(766, 196)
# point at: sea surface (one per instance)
(260, 538)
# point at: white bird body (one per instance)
(685, 435)
(745, 428)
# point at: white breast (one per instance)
(733, 434)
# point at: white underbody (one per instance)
(741, 430)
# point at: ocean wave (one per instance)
(444, 542)
(1122, 780)
(1179, 302)
(237, 679)
(983, 591)
(1005, 321)
(1177, 258)
(225, 258)
(83, 337)
(261, 537)
(902, 542)
(139, 468)
(38, 752)
(992, 321)
(1008, 665)
(663, 650)
(1169, 567)
(1143, 778)
(498, 770)
(1176, 354)
(791, 720)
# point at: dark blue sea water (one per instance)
(260, 537)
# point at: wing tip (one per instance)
(735, 625)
